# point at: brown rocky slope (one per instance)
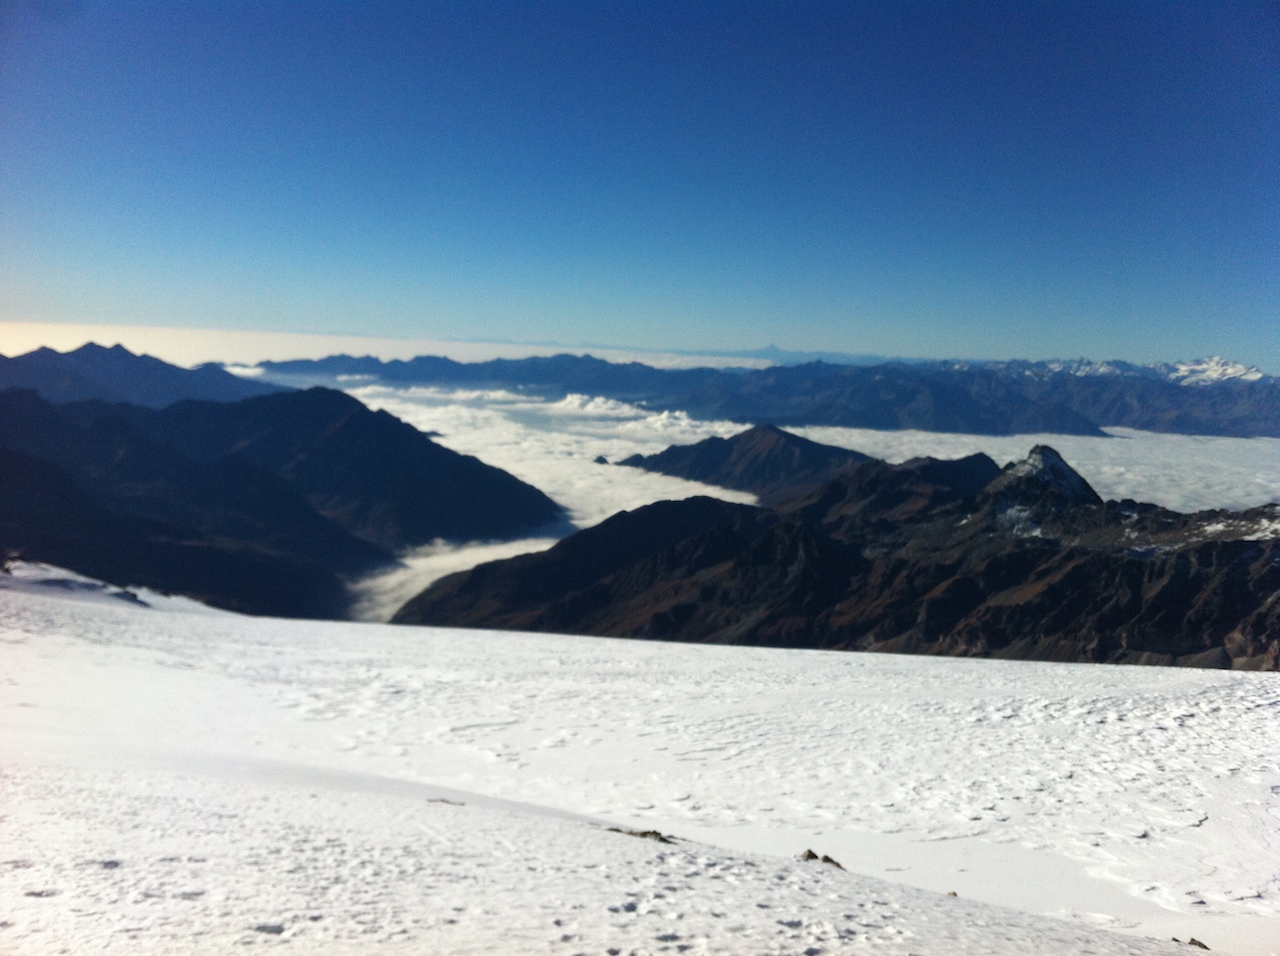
(900, 558)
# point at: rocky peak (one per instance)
(1043, 472)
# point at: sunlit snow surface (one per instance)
(554, 445)
(180, 780)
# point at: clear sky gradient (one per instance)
(956, 179)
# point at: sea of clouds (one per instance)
(1182, 472)
(555, 446)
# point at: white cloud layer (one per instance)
(379, 596)
(553, 444)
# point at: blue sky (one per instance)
(917, 179)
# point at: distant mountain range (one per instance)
(1079, 397)
(117, 375)
(955, 558)
(1212, 397)
(262, 505)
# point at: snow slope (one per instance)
(180, 780)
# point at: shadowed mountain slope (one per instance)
(766, 460)
(545, 591)
(135, 475)
(262, 505)
(1034, 565)
(374, 475)
(46, 516)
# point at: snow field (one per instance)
(217, 759)
(163, 863)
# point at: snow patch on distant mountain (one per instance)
(1084, 368)
(1202, 371)
(1260, 525)
(1210, 371)
(1017, 520)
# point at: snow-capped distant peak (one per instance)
(1083, 367)
(1212, 370)
(1209, 371)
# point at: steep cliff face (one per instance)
(908, 558)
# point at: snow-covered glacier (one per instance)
(177, 779)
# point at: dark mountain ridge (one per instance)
(46, 516)
(891, 558)
(372, 474)
(117, 375)
(765, 460)
(134, 474)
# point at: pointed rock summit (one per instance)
(1043, 472)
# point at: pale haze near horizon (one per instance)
(191, 347)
